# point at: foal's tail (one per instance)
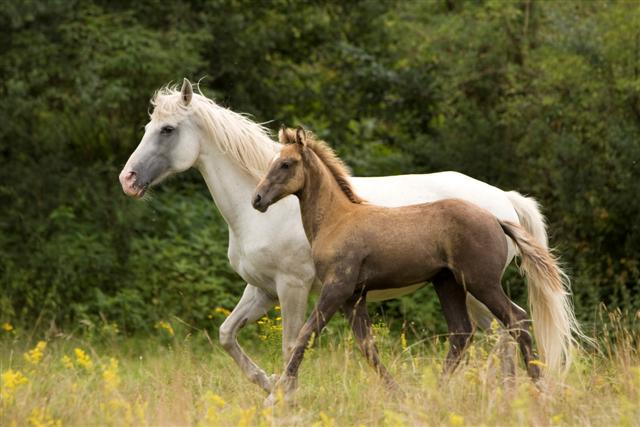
(554, 323)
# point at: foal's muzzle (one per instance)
(258, 203)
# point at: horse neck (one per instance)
(230, 184)
(322, 201)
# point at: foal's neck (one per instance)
(322, 201)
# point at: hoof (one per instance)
(270, 401)
(533, 369)
(283, 390)
(272, 381)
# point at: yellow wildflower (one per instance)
(165, 326)
(393, 418)
(403, 341)
(325, 421)
(67, 362)
(40, 417)
(110, 375)
(266, 417)
(10, 380)
(246, 417)
(495, 326)
(455, 419)
(471, 351)
(34, 356)
(7, 327)
(223, 311)
(212, 404)
(83, 359)
(538, 363)
(121, 412)
(214, 399)
(556, 419)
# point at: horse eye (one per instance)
(284, 166)
(166, 130)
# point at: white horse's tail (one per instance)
(530, 217)
(554, 323)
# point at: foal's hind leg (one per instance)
(453, 300)
(356, 311)
(511, 316)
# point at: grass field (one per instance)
(180, 378)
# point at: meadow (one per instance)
(108, 306)
(181, 376)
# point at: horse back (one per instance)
(395, 247)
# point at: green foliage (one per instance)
(543, 97)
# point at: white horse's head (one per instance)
(171, 142)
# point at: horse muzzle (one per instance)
(130, 184)
(259, 204)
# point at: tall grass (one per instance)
(181, 378)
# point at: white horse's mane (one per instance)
(245, 141)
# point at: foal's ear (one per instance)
(283, 138)
(286, 135)
(301, 136)
(186, 92)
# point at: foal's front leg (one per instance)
(332, 297)
(356, 311)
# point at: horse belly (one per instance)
(385, 294)
(392, 272)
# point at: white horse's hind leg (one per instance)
(479, 313)
(482, 317)
(253, 305)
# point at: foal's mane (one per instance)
(248, 143)
(338, 169)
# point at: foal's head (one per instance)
(171, 142)
(286, 172)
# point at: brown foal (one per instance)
(358, 247)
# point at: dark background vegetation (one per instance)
(542, 97)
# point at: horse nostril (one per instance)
(127, 177)
(257, 199)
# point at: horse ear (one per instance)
(186, 92)
(286, 135)
(301, 136)
(283, 138)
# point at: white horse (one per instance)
(232, 153)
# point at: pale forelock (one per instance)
(246, 142)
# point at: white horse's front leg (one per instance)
(293, 294)
(253, 305)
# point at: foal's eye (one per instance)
(284, 166)
(166, 130)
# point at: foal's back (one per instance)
(395, 247)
